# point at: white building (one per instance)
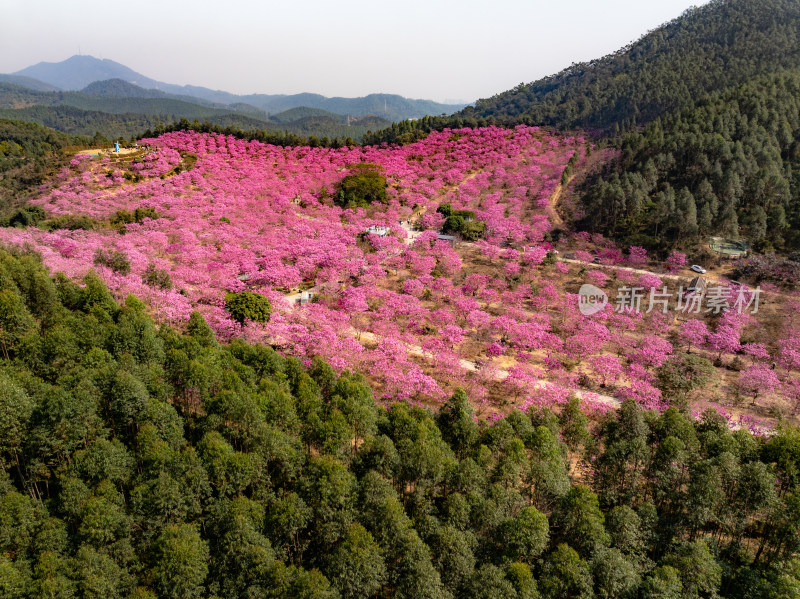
(378, 230)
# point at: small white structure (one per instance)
(447, 238)
(305, 297)
(378, 230)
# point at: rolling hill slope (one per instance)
(12, 96)
(28, 83)
(77, 121)
(29, 155)
(119, 88)
(116, 108)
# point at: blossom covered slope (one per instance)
(419, 316)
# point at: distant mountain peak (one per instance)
(76, 72)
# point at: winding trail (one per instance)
(640, 271)
(552, 205)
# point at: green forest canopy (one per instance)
(708, 48)
(721, 44)
(115, 116)
(728, 165)
(141, 461)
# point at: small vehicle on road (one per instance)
(696, 268)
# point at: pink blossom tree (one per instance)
(534, 255)
(676, 261)
(724, 340)
(650, 281)
(637, 256)
(607, 367)
(597, 278)
(693, 332)
(652, 351)
(757, 351)
(758, 379)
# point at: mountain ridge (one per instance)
(718, 45)
(80, 71)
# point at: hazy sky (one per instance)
(437, 49)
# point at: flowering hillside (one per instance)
(209, 214)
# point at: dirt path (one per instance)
(675, 277)
(411, 234)
(552, 205)
(640, 271)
